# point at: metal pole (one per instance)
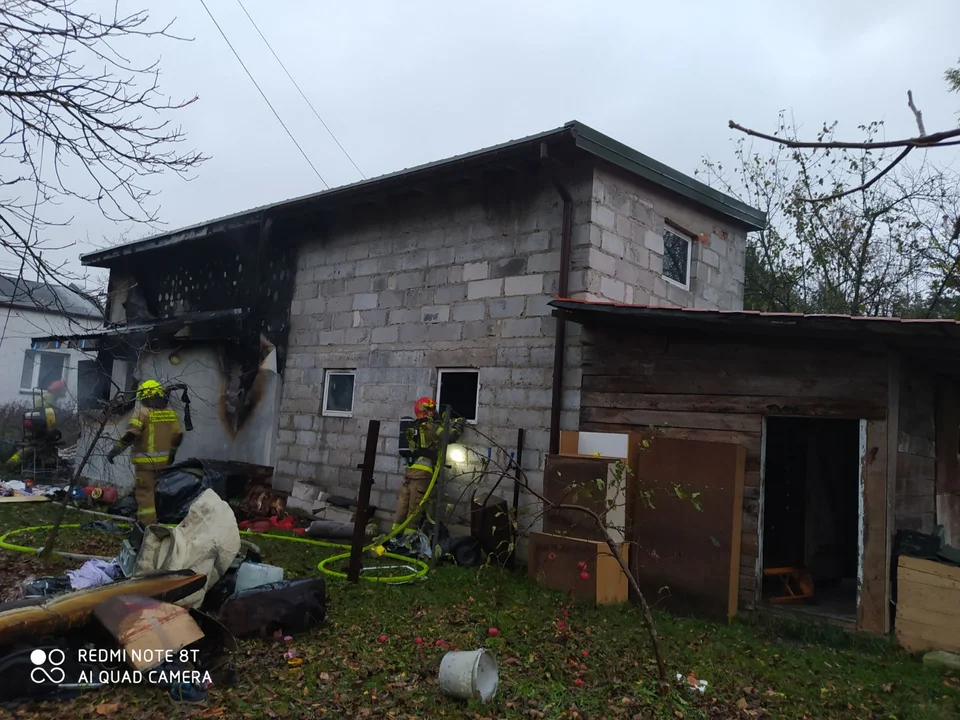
(515, 521)
(363, 502)
(446, 420)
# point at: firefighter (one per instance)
(155, 434)
(37, 454)
(424, 439)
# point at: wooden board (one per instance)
(928, 605)
(573, 480)
(24, 498)
(694, 555)
(553, 561)
(873, 588)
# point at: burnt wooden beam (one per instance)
(363, 502)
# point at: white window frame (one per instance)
(35, 377)
(326, 393)
(476, 404)
(689, 242)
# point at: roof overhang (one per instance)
(574, 134)
(202, 326)
(907, 334)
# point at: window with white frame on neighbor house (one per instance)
(339, 387)
(460, 389)
(676, 258)
(41, 368)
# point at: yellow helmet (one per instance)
(150, 389)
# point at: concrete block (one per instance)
(391, 299)
(286, 437)
(543, 356)
(479, 329)
(527, 327)
(356, 336)
(506, 308)
(539, 399)
(538, 306)
(302, 422)
(612, 289)
(476, 271)
(444, 332)
(449, 294)
(414, 260)
(371, 318)
(455, 274)
(600, 261)
(358, 285)
(509, 266)
(406, 281)
(527, 377)
(544, 262)
(403, 316)
(653, 241)
(307, 438)
(340, 303)
(604, 216)
(513, 356)
(709, 257)
(468, 252)
(435, 314)
(330, 337)
(315, 306)
(437, 276)
(484, 289)
(535, 242)
(624, 226)
(719, 245)
(442, 256)
(612, 244)
(678, 295)
(332, 288)
(420, 297)
(469, 312)
(523, 285)
(413, 333)
(370, 266)
(342, 321)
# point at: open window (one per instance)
(41, 368)
(676, 258)
(339, 387)
(460, 389)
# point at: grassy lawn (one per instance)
(761, 669)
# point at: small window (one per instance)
(40, 369)
(460, 389)
(338, 389)
(676, 259)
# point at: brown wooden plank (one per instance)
(743, 404)
(750, 441)
(870, 391)
(916, 475)
(914, 445)
(948, 439)
(873, 593)
(933, 570)
(893, 433)
(928, 597)
(928, 579)
(917, 637)
(656, 418)
(737, 511)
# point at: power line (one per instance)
(262, 94)
(306, 99)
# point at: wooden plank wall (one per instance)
(713, 389)
(915, 507)
(928, 605)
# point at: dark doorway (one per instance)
(811, 511)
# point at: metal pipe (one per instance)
(560, 341)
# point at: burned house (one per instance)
(296, 323)
(849, 431)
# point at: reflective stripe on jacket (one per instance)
(155, 433)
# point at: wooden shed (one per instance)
(850, 429)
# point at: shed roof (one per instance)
(903, 332)
(46, 298)
(574, 133)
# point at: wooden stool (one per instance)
(797, 584)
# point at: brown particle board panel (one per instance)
(688, 561)
(928, 605)
(554, 563)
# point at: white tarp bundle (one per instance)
(206, 541)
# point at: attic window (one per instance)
(676, 259)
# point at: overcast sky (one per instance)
(402, 83)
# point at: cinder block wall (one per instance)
(625, 250)
(395, 294)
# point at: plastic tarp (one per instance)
(206, 542)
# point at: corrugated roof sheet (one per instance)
(46, 297)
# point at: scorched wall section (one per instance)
(398, 293)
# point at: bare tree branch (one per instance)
(935, 140)
(916, 113)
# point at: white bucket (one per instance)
(467, 675)
(251, 575)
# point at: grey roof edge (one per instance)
(605, 147)
(585, 138)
